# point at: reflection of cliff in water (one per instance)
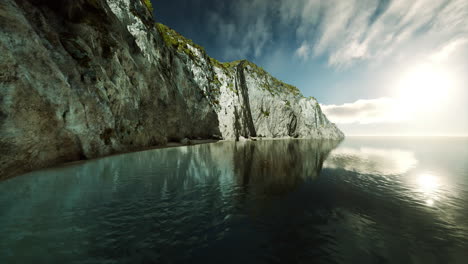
(269, 166)
(200, 189)
(278, 166)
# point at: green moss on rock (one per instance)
(177, 41)
(181, 44)
(148, 5)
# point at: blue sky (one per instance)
(377, 66)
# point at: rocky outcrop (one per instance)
(83, 79)
(253, 103)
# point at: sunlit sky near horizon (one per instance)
(376, 66)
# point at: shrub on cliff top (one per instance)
(148, 5)
(180, 43)
(177, 41)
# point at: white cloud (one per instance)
(303, 51)
(343, 31)
(347, 31)
(381, 110)
(447, 50)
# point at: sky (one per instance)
(377, 67)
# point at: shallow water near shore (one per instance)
(363, 200)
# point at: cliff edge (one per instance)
(81, 79)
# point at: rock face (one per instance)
(81, 79)
(253, 103)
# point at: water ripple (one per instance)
(288, 201)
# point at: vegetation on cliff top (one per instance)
(180, 43)
(148, 5)
(274, 86)
(224, 65)
(177, 41)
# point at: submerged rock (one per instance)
(84, 79)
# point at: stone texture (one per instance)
(88, 78)
(260, 105)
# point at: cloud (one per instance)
(245, 31)
(303, 51)
(343, 32)
(381, 110)
(353, 30)
(447, 50)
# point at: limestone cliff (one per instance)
(86, 78)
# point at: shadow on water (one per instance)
(280, 201)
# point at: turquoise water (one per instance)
(364, 200)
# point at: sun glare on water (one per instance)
(428, 184)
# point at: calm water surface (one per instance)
(365, 200)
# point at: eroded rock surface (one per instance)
(88, 78)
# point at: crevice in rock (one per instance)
(292, 125)
(248, 124)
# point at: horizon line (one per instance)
(406, 135)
